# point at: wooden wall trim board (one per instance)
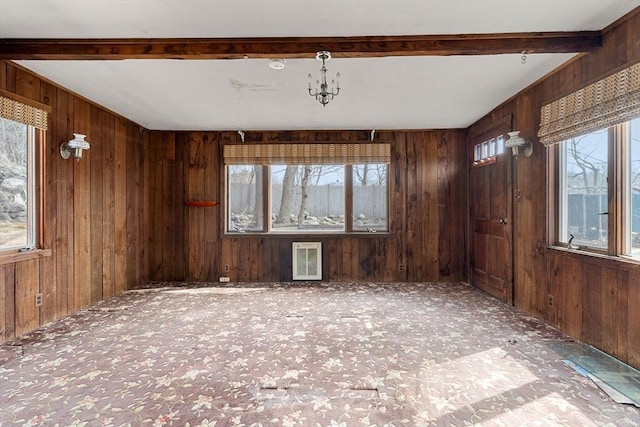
(84, 229)
(593, 298)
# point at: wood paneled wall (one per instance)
(428, 212)
(93, 213)
(595, 300)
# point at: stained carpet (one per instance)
(299, 355)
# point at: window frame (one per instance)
(619, 224)
(34, 220)
(266, 200)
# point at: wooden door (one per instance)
(491, 224)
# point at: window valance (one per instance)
(607, 102)
(17, 111)
(265, 154)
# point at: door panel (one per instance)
(490, 200)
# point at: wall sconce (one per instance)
(518, 144)
(74, 147)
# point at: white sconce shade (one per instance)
(74, 147)
(518, 144)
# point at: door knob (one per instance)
(503, 221)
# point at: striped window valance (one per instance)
(265, 154)
(11, 109)
(607, 102)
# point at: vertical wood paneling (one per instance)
(421, 195)
(10, 300)
(430, 236)
(567, 291)
(82, 211)
(397, 262)
(108, 205)
(63, 199)
(212, 216)
(609, 312)
(195, 191)
(620, 309)
(632, 335)
(412, 212)
(175, 231)
(27, 285)
(592, 293)
(135, 248)
(444, 195)
(156, 222)
(95, 203)
(49, 219)
(9, 273)
(69, 215)
(120, 206)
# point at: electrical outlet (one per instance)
(224, 279)
(38, 300)
(550, 300)
(226, 268)
(401, 267)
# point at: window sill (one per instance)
(9, 257)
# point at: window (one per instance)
(17, 185)
(307, 197)
(370, 197)
(632, 193)
(486, 151)
(583, 193)
(599, 190)
(306, 188)
(596, 164)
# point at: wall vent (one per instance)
(307, 260)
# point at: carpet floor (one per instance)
(298, 355)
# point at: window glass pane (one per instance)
(477, 152)
(244, 198)
(492, 147)
(584, 194)
(16, 192)
(370, 197)
(307, 197)
(500, 149)
(634, 185)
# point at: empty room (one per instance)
(337, 213)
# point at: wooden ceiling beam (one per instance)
(299, 47)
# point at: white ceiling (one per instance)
(377, 93)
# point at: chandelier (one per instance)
(322, 92)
